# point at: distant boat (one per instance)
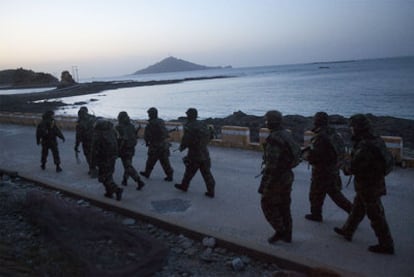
(324, 67)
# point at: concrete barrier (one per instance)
(307, 136)
(142, 124)
(395, 145)
(234, 136)
(263, 134)
(175, 130)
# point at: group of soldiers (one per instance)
(369, 162)
(103, 143)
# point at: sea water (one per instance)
(378, 86)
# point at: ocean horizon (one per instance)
(382, 87)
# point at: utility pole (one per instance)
(75, 73)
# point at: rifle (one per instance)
(77, 156)
(349, 181)
(173, 130)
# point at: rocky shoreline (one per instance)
(383, 125)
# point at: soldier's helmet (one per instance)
(273, 119)
(48, 115)
(102, 124)
(360, 123)
(192, 113)
(320, 119)
(82, 111)
(123, 117)
(152, 113)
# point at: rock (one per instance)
(237, 264)
(209, 242)
(128, 221)
(66, 80)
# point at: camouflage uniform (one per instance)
(277, 179)
(196, 138)
(156, 138)
(127, 140)
(368, 167)
(46, 134)
(325, 171)
(84, 130)
(104, 154)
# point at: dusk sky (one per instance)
(111, 38)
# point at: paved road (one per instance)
(234, 215)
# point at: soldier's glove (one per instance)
(63, 139)
(76, 149)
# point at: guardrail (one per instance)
(231, 136)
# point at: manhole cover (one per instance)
(171, 205)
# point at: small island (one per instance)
(172, 64)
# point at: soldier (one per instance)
(369, 164)
(280, 155)
(196, 138)
(324, 156)
(84, 131)
(46, 134)
(127, 139)
(104, 154)
(156, 139)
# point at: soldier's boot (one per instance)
(140, 184)
(58, 168)
(344, 233)
(285, 236)
(315, 215)
(124, 181)
(137, 179)
(382, 249)
(108, 194)
(93, 172)
(181, 187)
(385, 242)
(118, 193)
(210, 191)
(43, 166)
(169, 174)
(169, 178)
(145, 173)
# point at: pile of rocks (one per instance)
(25, 245)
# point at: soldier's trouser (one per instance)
(129, 169)
(318, 193)
(371, 205)
(55, 152)
(191, 168)
(105, 173)
(164, 161)
(87, 152)
(276, 209)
